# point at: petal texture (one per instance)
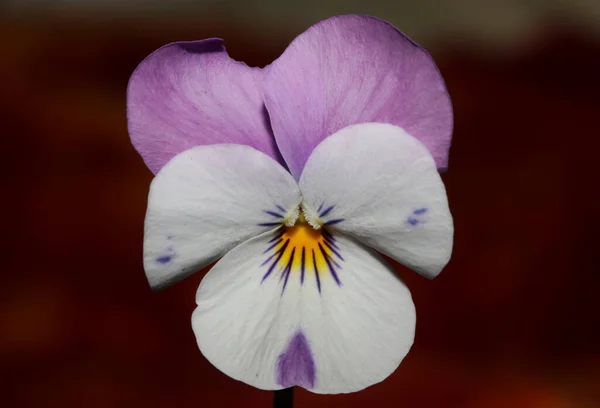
(355, 69)
(207, 200)
(379, 184)
(188, 94)
(300, 324)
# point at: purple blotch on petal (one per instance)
(412, 221)
(296, 365)
(164, 259)
(420, 211)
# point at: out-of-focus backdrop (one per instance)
(512, 321)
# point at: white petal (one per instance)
(340, 333)
(379, 184)
(207, 200)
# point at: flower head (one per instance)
(295, 175)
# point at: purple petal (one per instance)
(355, 69)
(187, 94)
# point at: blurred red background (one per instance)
(511, 322)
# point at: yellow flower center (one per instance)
(303, 250)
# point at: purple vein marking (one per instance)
(287, 270)
(326, 211)
(278, 235)
(268, 259)
(330, 238)
(333, 249)
(329, 264)
(273, 213)
(420, 211)
(302, 267)
(285, 267)
(278, 245)
(280, 208)
(296, 365)
(320, 207)
(279, 253)
(316, 271)
(273, 245)
(333, 222)
(268, 224)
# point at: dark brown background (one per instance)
(511, 322)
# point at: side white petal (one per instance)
(205, 201)
(331, 335)
(379, 184)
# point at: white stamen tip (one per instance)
(292, 217)
(310, 218)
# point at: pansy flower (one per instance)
(296, 176)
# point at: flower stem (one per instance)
(283, 398)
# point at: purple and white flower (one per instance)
(295, 175)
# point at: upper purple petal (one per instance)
(354, 69)
(187, 94)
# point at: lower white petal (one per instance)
(303, 307)
(208, 199)
(379, 184)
